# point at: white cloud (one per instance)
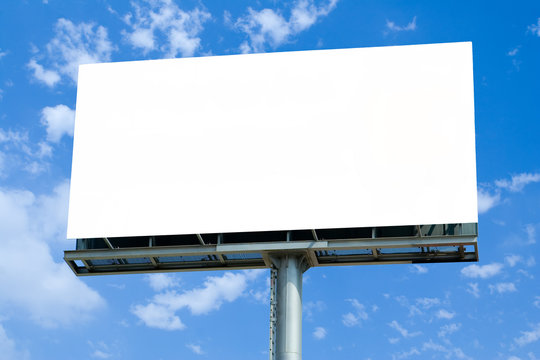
(427, 303)
(161, 311)
(513, 260)
(391, 26)
(29, 226)
(486, 201)
(72, 45)
(158, 316)
(482, 271)
(100, 354)
(518, 182)
(161, 281)
(59, 120)
(502, 288)
(404, 332)
(352, 319)
(473, 289)
(195, 348)
(535, 28)
(2, 53)
(448, 329)
(8, 348)
(269, 26)
(445, 314)
(419, 269)
(163, 17)
(406, 354)
(528, 337)
(319, 333)
(536, 301)
(48, 77)
(513, 52)
(310, 307)
(531, 234)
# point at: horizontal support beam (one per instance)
(282, 246)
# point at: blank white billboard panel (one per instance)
(280, 141)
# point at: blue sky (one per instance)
(440, 311)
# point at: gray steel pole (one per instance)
(289, 306)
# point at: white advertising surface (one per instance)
(279, 141)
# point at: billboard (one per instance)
(327, 139)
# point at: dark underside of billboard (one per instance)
(248, 250)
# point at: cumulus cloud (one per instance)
(535, 28)
(160, 312)
(319, 333)
(528, 337)
(59, 121)
(502, 288)
(30, 226)
(158, 316)
(269, 26)
(48, 77)
(391, 26)
(486, 200)
(161, 281)
(404, 332)
(72, 45)
(482, 271)
(518, 182)
(152, 19)
(352, 319)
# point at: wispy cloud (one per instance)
(535, 28)
(528, 337)
(319, 333)
(448, 329)
(269, 26)
(154, 19)
(445, 314)
(487, 200)
(351, 319)
(518, 182)
(472, 288)
(197, 349)
(512, 260)
(502, 288)
(482, 271)
(8, 348)
(72, 45)
(391, 26)
(404, 332)
(418, 269)
(489, 195)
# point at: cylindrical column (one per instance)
(289, 307)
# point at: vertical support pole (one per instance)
(273, 313)
(288, 336)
